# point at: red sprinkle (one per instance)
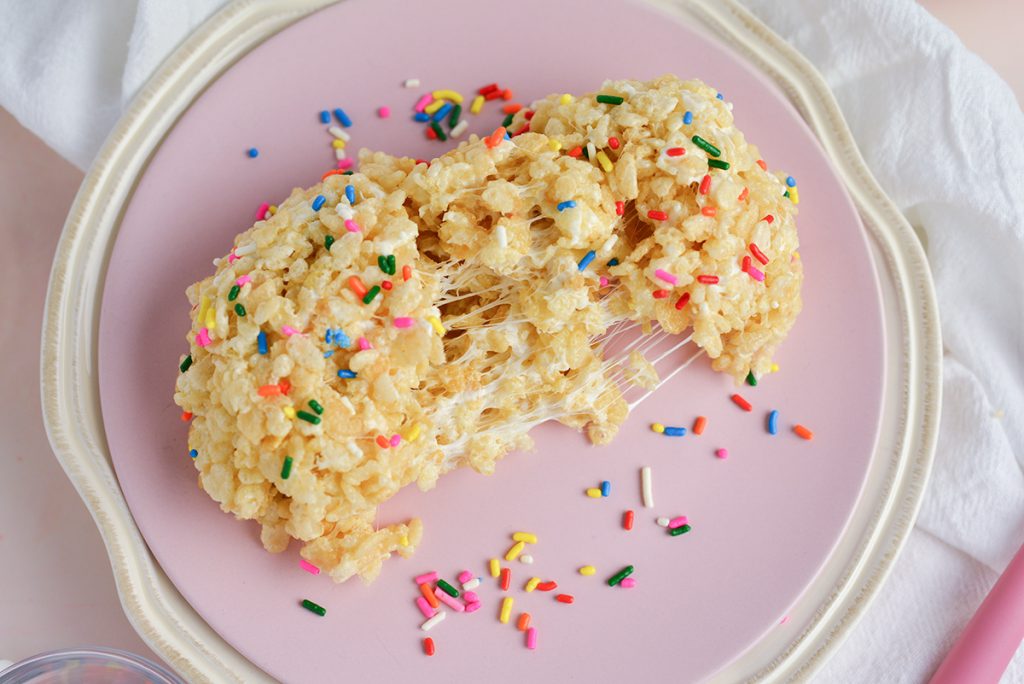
(332, 172)
(511, 108)
(186, 416)
(285, 386)
(493, 95)
(423, 161)
(743, 195)
(746, 264)
(760, 162)
(386, 284)
(683, 300)
(565, 598)
(489, 88)
(576, 151)
(627, 520)
(524, 129)
(742, 403)
(660, 294)
(506, 579)
(507, 95)
(707, 279)
(267, 391)
(495, 138)
(528, 114)
(705, 184)
(675, 151)
(383, 442)
(406, 272)
(657, 215)
(613, 142)
(428, 646)
(620, 208)
(429, 132)
(758, 254)
(547, 586)
(708, 211)
(768, 218)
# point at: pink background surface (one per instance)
(764, 520)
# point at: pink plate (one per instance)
(764, 520)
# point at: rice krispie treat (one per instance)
(385, 327)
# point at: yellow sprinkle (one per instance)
(506, 610)
(204, 304)
(404, 541)
(514, 551)
(527, 537)
(413, 433)
(532, 584)
(775, 368)
(794, 196)
(289, 411)
(605, 162)
(338, 144)
(478, 104)
(658, 427)
(211, 318)
(565, 99)
(447, 95)
(555, 145)
(436, 322)
(594, 493)
(272, 209)
(796, 254)
(433, 106)
(495, 567)
(588, 570)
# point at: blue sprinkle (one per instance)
(688, 118)
(253, 152)
(585, 261)
(261, 342)
(442, 112)
(567, 204)
(340, 114)
(507, 136)
(675, 431)
(329, 353)
(325, 117)
(790, 181)
(193, 453)
(346, 373)
(327, 336)
(350, 193)
(773, 423)
(318, 202)
(719, 96)
(606, 488)
(341, 339)
(421, 116)
(613, 262)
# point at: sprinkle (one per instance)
(193, 453)
(705, 184)
(431, 623)
(576, 151)
(627, 520)
(347, 374)
(506, 94)
(364, 344)
(314, 608)
(494, 567)
(426, 577)
(494, 139)
(203, 337)
(758, 254)
(511, 108)
(666, 276)
(675, 151)
(706, 146)
(185, 364)
(532, 584)
(722, 453)
(585, 261)
(339, 133)
(515, 550)
(315, 405)
(318, 202)
(613, 262)
(382, 442)
(448, 95)
(507, 121)
(662, 522)
(567, 204)
(707, 279)
(566, 98)
(478, 103)
(328, 241)
(688, 118)
(699, 425)
(760, 162)
(677, 521)
(308, 417)
(550, 585)
(339, 144)
(286, 469)
(342, 117)
(657, 215)
(489, 88)
(620, 208)
(261, 342)
(594, 492)
(523, 623)
(609, 99)
(743, 195)
(627, 583)
(403, 322)
(428, 595)
(773, 422)
(587, 570)
(269, 391)
(239, 309)
(645, 487)
(369, 297)
(289, 412)
(471, 584)
(604, 161)
(613, 142)
(565, 598)
(790, 181)
(751, 379)
(658, 427)
(506, 579)
(675, 432)
(718, 164)
(803, 432)
(620, 575)
(421, 117)
(344, 164)
(252, 152)
(531, 638)
(459, 129)
(436, 128)
(683, 300)
(506, 610)
(741, 402)
(425, 608)
(352, 227)
(493, 95)
(755, 274)
(325, 116)
(411, 83)
(775, 368)
(472, 607)
(447, 589)
(441, 112)
(682, 529)
(526, 559)
(526, 537)
(602, 281)
(554, 145)
(435, 323)
(606, 488)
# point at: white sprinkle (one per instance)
(591, 152)
(608, 244)
(526, 558)
(429, 624)
(345, 211)
(411, 83)
(471, 584)
(459, 129)
(339, 153)
(339, 133)
(267, 215)
(347, 403)
(501, 235)
(645, 487)
(663, 522)
(248, 248)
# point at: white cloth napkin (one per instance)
(941, 132)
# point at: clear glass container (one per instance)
(87, 666)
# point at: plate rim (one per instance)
(69, 381)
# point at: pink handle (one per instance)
(992, 636)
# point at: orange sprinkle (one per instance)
(406, 272)
(708, 211)
(760, 162)
(743, 195)
(742, 403)
(428, 646)
(356, 284)
(576, 151)
(186, 416)
(495, 138)
(506, 579)
(269, 390)
(523, 623)
(803, 432)
(511, 108)
(383, 442)
(699, 425)
(507, 94)
(285, 386)
(428, 594)
(332, 172)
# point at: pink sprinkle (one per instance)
(450, 601)
(289, 331)
(784, 620)
(531, 638)
(722, 453)
(678, 521)
(396, 440)
(465, 576)
(422, 103)
(425, 607)
(628, 583)
(604, 281)
(232, 257)
(345, 163)
(352, 227)
(242, 280)
(471, 597)
(472, 607)
(203, 337)
(755, 274)
(666, 276)
(261, 212)
(384, 112)
(403, 322)
(364, 344)
(309, 567)
(426, 578)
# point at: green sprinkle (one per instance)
(308, 417)
(239, 309)
(620, 575)
(328, 241)
(718, 164)
(585, 152)
(786, 194)
(447, 588)
(374, 291)
(751, 380)
(437, 129)
(314, 608)
(453, 118)
(391, 264)
(610, 99)
(286, 468)
(706, 146)
(186, 364)
(348, 173)
(317, 408)
(233, 293)
(382, 261)
(683, 529)
(508, 120)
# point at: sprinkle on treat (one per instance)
(706, 146)
(707, 279)
(567, 204)
(585, 261)
(193, 454)
(688, 118)
(609, 99)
